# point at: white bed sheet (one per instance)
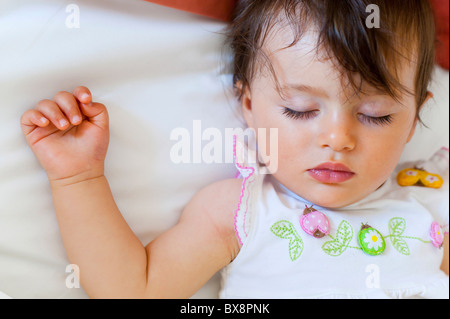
(156, 69)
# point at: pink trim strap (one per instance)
(240, 214)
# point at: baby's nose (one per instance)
(338, 136)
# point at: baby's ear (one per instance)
(246, 103)
(430, 95)
(413, 129)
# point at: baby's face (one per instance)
(320, 121)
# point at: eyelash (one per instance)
(295, 115)
(383, 120)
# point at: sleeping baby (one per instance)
(339, 217)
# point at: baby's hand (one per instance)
(69, 135)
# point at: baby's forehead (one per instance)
(304, 59)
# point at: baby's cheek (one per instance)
(379, 166)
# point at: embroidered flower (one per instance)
(431, 178)
(411, 173)
(436, 234)
(373, 240)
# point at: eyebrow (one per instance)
(307, 89)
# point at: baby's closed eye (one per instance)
(380, 120)
(364, 118)
(296, 115)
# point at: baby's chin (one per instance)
(332, 202)
(332, 196)
(337, 196)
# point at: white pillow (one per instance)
(157, 70)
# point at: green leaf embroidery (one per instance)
(286, 230)
(295, 248)
(397, 226)
(400, 244)
(282, 229)
(338, 245)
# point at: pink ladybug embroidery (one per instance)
(314, 223)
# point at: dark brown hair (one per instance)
(406, 31)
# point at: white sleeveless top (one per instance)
(278, 259)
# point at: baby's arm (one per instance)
(112, 260)
(444, 265)
(114, 263)
(182, 259)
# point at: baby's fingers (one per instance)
(69, 105)
(53, 113)
(83, 94)
(32, 118)
(97, 114)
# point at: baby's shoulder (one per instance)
(216, 204)
(220, 196)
